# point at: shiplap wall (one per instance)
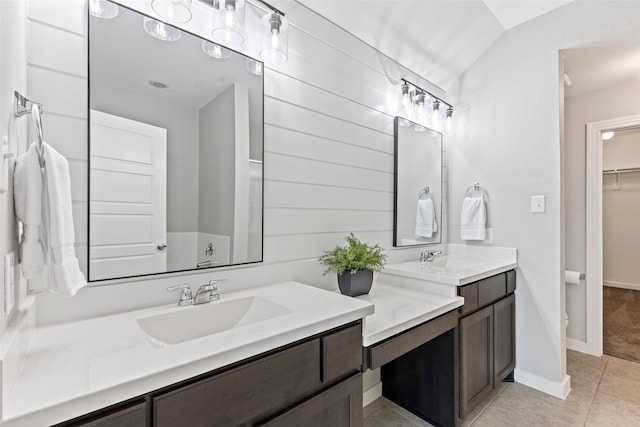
(328, 141)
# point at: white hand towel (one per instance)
(473, 219)
(65, 275)
(27, 185)
(426, 223)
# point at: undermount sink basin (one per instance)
(188, 323)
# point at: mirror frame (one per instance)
(395, 184)
(171, 273)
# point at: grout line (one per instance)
(596, 392)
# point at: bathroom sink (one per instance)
(188, 323)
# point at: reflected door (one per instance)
(128, 197)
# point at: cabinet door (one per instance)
(339, 406)
(476, 358)
(504, 331)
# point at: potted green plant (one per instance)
(354, 264)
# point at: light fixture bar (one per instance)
(268, 6)
(436, 99)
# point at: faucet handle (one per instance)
(186, 297)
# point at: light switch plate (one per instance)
(9, 283)
(537, 204)
(489, 236)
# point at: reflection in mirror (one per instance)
(418, 184)
(176, 141)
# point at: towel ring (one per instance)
(426, 193)
(475, 188)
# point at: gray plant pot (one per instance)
(356, 284)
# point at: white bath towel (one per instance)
(473, 219)
(426, 223)
(27, 184)
(43, 204)
(65, 273)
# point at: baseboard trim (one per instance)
(556, 389)
(372, 394)
(577, 345)
(632, 286)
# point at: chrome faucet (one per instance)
(428, 256)
(186, 297)
(204, 294)
(207, 293)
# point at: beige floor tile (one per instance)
(575, 360)
(475, 413)
(608, 411)
(387, 417)
(621, 384)
(373, 406)
(405, 413)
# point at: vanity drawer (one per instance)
(240, 395)
(491, 289)
(384, 352)
(470, 295)
(341, 353)
(130, 416)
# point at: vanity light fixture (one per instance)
(254, 67)
(420, 99)
(103, 9)
(228, 21)
(160, 30)
(276, 40)
(215, 50)
(176, 11)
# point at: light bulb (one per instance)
(228, 23)
(215, 50)
(607, 135)
(274, 42)
(103, 9)
(160, 30)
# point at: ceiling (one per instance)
(608, 63)
(441, 39)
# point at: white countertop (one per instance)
(398, 309)
(75, 368)
(452, 270)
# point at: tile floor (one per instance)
(605, 392)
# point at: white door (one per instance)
(128, 197)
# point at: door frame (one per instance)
(594, 238)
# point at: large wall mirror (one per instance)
(176, 149)
(418, 184)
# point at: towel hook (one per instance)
(23, 105)
(476, 187)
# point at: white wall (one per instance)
(328, 160)
(508, 137)
(13, 76)
(620, 211)
(604, 104)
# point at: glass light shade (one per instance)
(403, 122)
(215, 50)
(228, 23)
(177, 11)
(160, 30)
(254, 67)
(275, 41)
(103, 9)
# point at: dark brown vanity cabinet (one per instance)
(313, 382)
(487, 337)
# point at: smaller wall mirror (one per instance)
(417, 184)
